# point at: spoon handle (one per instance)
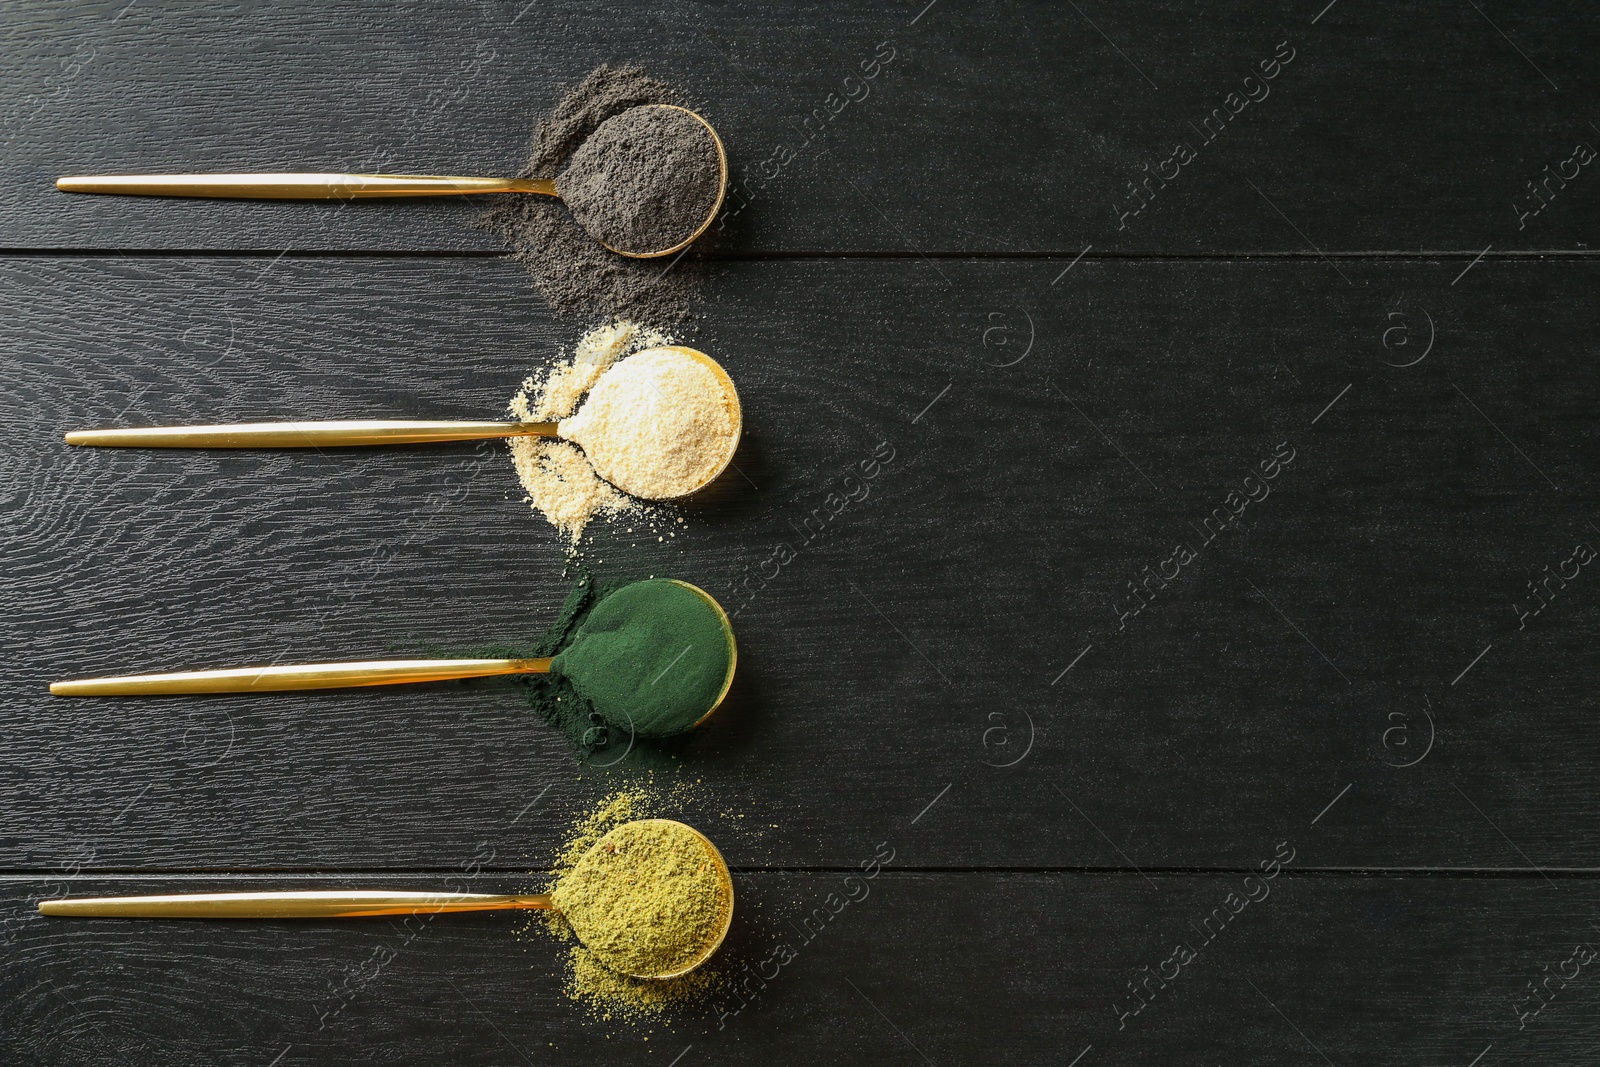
(302, 676)
(299, 186)
(329, 433)
(311, 904)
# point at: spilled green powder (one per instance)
(553, 698)
(667, 707)
(651, 658)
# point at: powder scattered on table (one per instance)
(608, 994)
(559, 480)
(648, 898)
(571, 269)
(614, 993)
(614, 809)
(645, 181)
(659, 424)
(651, 658)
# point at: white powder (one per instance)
(560, 482)
(659, 424)
(555, 394)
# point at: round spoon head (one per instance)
(623, 401)
(733, 651)
(716, 205)
(732, 396)
(609, 864)
(640, 636)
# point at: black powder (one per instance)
(567, 265)
(645, 180)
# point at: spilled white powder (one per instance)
(559, 480)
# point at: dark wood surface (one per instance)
(957, 666)
(988, 967)
(994, 129)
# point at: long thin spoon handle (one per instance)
(325, 434)
(300, 186)
(302, 676)
(312, 904)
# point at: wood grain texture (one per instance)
(993, 129)
(1028, 588)
(1001, 968)
(906, 648)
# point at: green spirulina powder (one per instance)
(650, 658)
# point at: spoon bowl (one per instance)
(610, 462)
(590, 933)
(711, 215)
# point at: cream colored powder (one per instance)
(562, 485)
(560, 482)
(659, 424)
(556, 396)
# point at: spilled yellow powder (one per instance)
(609, 995)
(562, 485)
(560, 482)
(613, 995)
(659, 424)
(624, 805)
(556, 395)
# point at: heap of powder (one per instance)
(645, 181)
(648, 898)
(658, 425)
(560, 482)
(610, 994)
(571, 269)
(651, 658)
(675, 702)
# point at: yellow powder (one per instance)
(608, 994)
(559, 481)
(659, 424)
(648, 898)
(611, 994)
(624, 805)
(556, 395)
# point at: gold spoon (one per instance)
(365, 187)
(294, 677)
(361, 903)
(347, 432)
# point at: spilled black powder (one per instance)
(573, 271)
(645, 181)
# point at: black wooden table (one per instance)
(1213, 660)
